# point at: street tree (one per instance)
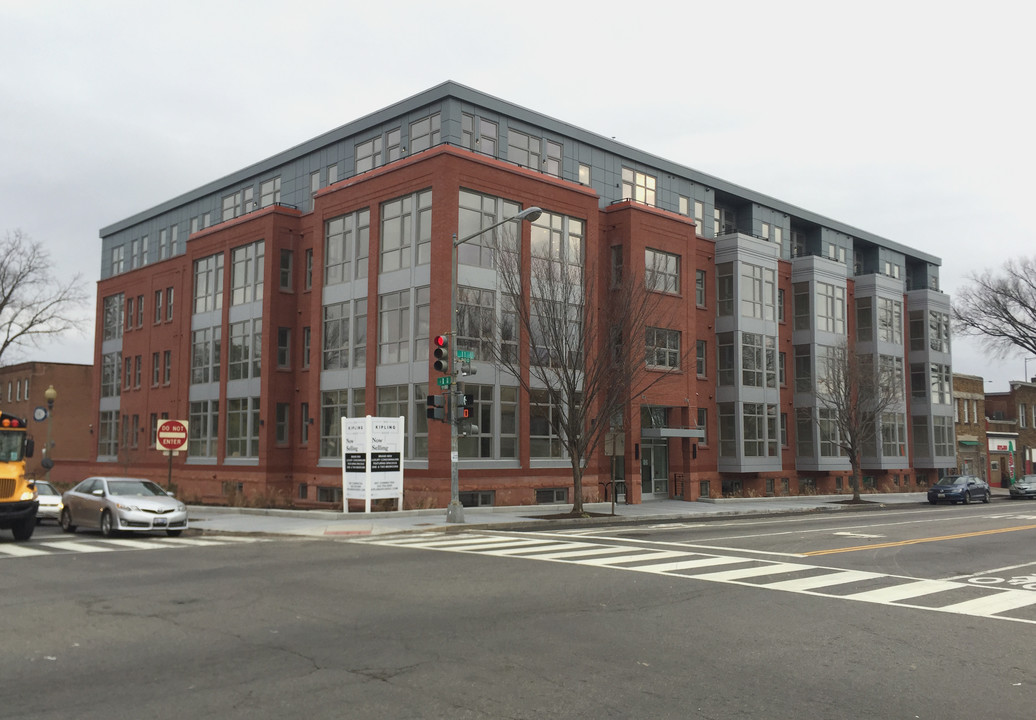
(578, 354)
(34, 305)
(1000, 307)
(854, 395)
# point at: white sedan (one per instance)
(50, 501)
(115, 504)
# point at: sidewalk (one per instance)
(328, 524)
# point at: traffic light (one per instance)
(441, 353)
(467, 407)
(436, 407)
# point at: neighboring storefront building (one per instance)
(970, 425)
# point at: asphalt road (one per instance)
(726, 619)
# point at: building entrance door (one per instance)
(654, 471)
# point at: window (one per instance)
(138, 363)
(282, 414)
(304, 421)
(393, 144)
(156, 369)
(246, 273)
(700, 346)
(549, 496)
(332, 174)
(638, 186)
(203, 428)
(158, 306)
(865, 319)
(287, 259)
(584, 174)
(208, 284)
(346, 246)
(169, 302)
(727, 429)
(803, 368)
(523, 149)
(283, 348)
(478, 134)
(940, 378)
(782, 376)
(243, 427)
(699, 288)
(725, 358)
(662, 271)
(307, 342)
(938, 331)
(394, 329)
(552, 163)
(759, 430)
(126, 382)
(114, 308)
(368, 155)
(800, 300)
(757, 292)
(341, 350)
(480, 444)
(780, 305)
(758, 360)
(893, 435)
(269, 193)
(804, 433)
(663, 348)
(314, 182)
(405, 223)
(725, 289)
(424, 133)
(108, 433)
(422, 322)
(683, 205)
(703, 425)
(394, 401)
(943, 432)
(544, 426)
(308, 283)
(829, 436)
(890, 321)
(245, 343)
(167, 360)
(482, 211)
(830, 308)
(163, 244)
(129, 313)
(118, 260)
(335, 405)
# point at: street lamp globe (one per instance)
(51, 395)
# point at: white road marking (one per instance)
(671, 563)
(21, 551)
(99, 545)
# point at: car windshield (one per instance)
(951, 480)
(45, 488)
(134, 487)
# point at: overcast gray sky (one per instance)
(909, 119)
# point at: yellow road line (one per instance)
(920, 540)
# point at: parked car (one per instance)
(114, 504)
(50, 502)
(959, 488)
(1024, 488)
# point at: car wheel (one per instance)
(967, 497)
(988, 496)
(931, 501)
(23, 530)
(66, 521)
(107, 526)
(173, 533)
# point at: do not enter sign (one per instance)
(172, 435)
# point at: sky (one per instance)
(907, 119)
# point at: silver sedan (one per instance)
(114, 504)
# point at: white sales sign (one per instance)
(372, 459)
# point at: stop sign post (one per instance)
(171, 438)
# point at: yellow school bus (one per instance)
(18, 502)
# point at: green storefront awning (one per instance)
(967, 442)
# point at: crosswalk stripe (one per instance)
(526, 551)
(140, 544)
(74, 546)
(646, 555)
(689, 564)
(990, 605)
(905, 591)
(822, 581)
(745, 573)
(21, 551)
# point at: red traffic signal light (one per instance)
(441, 353)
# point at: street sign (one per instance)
(444, 381)
(171, 435)
(465, 354)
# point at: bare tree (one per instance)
(1000, 307)
(33, 304)
(853, 395)
(570, 347)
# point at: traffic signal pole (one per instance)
(454, 511)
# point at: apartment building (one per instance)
(263, 358)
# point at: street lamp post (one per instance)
(50, 395)
(455, 511)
